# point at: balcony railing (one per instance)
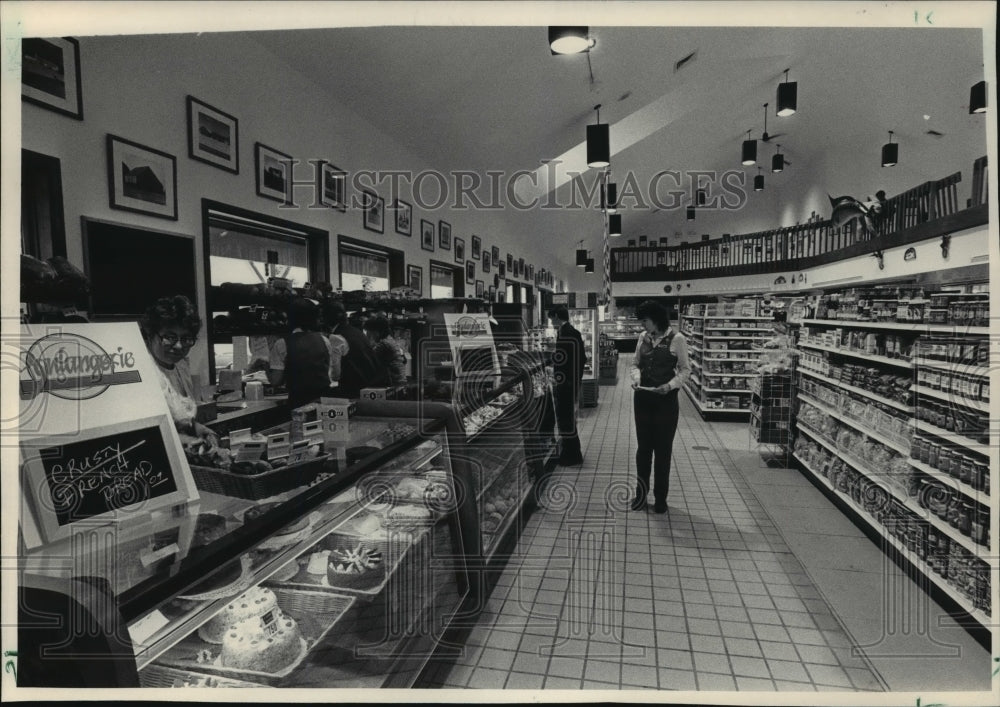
(914, 215)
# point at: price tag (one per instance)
(150, 557)
(146, 627)
(238, 437)
(277, 445)
(300, 450)
(251, 451)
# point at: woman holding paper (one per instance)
(659, 369)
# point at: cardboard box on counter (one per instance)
(336, 408)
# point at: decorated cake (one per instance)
(268, 643)
(254, 602)
(353, 562)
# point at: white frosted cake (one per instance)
(252, 603)
(267, 644)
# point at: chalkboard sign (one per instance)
(105, 474)
(129, 268)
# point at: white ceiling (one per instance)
(494, 98)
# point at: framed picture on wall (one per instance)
(477, 246)
(493, 294)
(502, 268)
(510, 264)
(495, 252)
(444, 235)
(332, 186)
(426, 234)
(531, 273)
(486, 261)
(50, 74)
(273, 173)
(470, 271)
(415, 278)
(520, 267)
(459, 250)
(374, 211)
(404, 217)
(141, 179)
(213, 136)
(480, 286)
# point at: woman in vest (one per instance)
(301, 361)
(658, 371)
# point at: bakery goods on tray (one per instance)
(407, 515)
(208, 528)
(256, 601)
(353, 561)
(268, 643)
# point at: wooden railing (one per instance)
(914, 215)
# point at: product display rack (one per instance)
(771, 412)
(622, 333)
(608, 362)
(904, 407)
(724, 347)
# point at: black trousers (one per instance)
(655, 426)
(564, 397)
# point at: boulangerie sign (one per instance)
(96, 440)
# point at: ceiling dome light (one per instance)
(890, 152)
(977, 98)
(569, 40)
(788, 97)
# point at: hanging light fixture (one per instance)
(758, 181)
(589, 267)
(777, 161)
(977, 98)
(598, 142)
(569, 40)
(690, 213)
(890, 152)
(581, 256)
(615, 225)
(702, 197)
(609, 198)
(787, 97)
(749, 150)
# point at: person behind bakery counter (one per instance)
(170, 328)
(357, 367)
(388, 353)
(301, 360)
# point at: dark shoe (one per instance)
(660, 507)
(571, 460)
(639, 503)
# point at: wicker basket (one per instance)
(258, 486)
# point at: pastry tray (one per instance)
(368, 583)
(258, 486)
(316, 612)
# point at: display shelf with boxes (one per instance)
(724, 342)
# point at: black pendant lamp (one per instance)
(581, 256)
(598, 142)
(749, 150)
(977, 98)
(890, 152)
(690, 213)
(758, 181)
(702, 197)
(609, 198)
(569, 40)
(589, 267)
(615, 225)
(788, 96)
(778, 161)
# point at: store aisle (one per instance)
(707, 597)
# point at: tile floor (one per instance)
(709, 596)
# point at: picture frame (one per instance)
(459, 250)
(495, 252)
(404, 217)
(480, 289)
(470, 271)
(531, 272)
(520, 267)
(213, 136)
(514, 272)
(444, 235)
(273, 173)
(427, 234)
(510, 264)
(373, 211)
(502, 269)
(50, 74)
(141, 179)
(415, 278)
(492, 294)
(332, 186)
(477, 247)
(486, 261)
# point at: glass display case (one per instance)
(622, 333)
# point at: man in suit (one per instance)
(358, 367)
(568, 362)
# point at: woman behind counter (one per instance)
(388, 353)
(301, 361)
(170, 327)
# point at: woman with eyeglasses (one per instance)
(170, 327)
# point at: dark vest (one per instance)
(656, 364)
(307, 367)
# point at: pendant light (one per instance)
(589, 267)
(890, 152)
(690, 213)
(787, 97)
(598, 142)
(609, 198)
(581, 256)
(569, 40)
(758, 181)
(977, 98)
(702, 197)
(777, 161)
(749, 150)
(615, 225)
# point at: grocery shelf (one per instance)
(899, 362)
(704, 409)
(915, 327)
(859, 426)
(730, 337)
(741, 317)
(961, 439)
(961, 487)
(747, 360)
(857, 390)
(736, 351)
(729, 391)
(951, 398)
(978, 614)
(968, 369)
(732, 328)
